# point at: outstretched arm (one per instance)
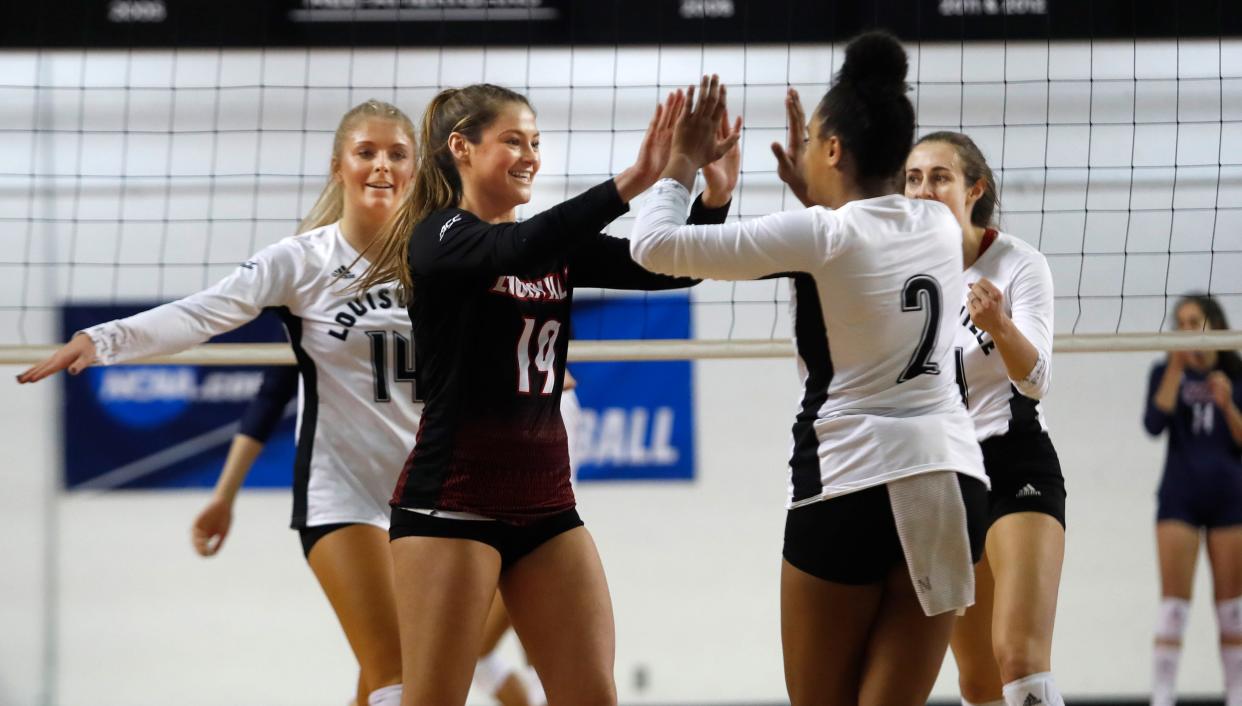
(266, 280)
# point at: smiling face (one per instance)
(934, 171)
(374, 167)
(501, 167)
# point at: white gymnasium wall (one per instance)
(140, 620)
(693, 567)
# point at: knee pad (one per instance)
(1171, 624)
(491, 672)
(1229, 617)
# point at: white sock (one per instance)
(1164, 674)
(988, 703)
(1033, 690)
(387, 696)
(1231, 659)
(534, 688)
(491, 672)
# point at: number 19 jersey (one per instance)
(490, 307)
(875, 293)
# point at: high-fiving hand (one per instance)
(653, 153)
(697, 139)
(722, 175)
(789, 156)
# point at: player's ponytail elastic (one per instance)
(467, 111)
(330, 205)
(867, 108)
(974, 168)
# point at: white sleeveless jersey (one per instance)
(997, 404)
(357, 409)
(874, 312)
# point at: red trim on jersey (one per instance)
(989, 237)
(406, 467)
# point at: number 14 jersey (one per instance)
(357, 409)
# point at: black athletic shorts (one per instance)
(310, 535)
(1025, 474)
(852, 539)
(512, 541)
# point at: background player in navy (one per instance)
(485, 498)
(1195, 396)
(887, 494)
(1003, 349)
(355, 417)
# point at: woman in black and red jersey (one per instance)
(484, 499)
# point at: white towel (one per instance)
(931, 522)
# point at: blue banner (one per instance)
(170, 426)
(164, 426)
(637, 418)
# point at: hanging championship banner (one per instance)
(164, 426)
(539, 23)
(637, 417)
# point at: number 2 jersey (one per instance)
(357, 409)
(876, 288)
(490, 307)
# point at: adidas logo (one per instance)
(343, 272)
(1028, 492)
(1032, 699)
(250, 264)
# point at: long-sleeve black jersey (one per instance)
(490, 310)
(280, 385)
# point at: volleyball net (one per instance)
(155, 144)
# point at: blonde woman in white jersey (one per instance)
(1003, 646)
(357, 406)
(871, 579)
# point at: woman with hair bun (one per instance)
(887, 494)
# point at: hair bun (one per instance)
(875, 60)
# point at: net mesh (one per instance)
(140, 174)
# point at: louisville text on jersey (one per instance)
(357, 308)
(549, 288)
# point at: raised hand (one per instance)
(986, 305)
(722, 175)
(653, 153)
(76, 355)
(789, 156)
(694, 135)
(1222, 389)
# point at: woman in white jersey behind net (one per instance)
(887, 505)
(357, 406)
(1003, 352)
